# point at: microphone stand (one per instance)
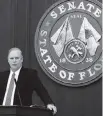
(18, 91)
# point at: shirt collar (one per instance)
(16, 72)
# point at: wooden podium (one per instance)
(24, 111)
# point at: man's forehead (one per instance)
(14, 52)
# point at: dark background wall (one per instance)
(18, 22)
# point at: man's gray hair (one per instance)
(13, 49)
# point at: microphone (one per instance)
(18, 92)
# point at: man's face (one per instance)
(15, 60)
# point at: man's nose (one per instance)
(14, 60)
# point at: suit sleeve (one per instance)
(41, 90)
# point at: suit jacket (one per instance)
(28, 81)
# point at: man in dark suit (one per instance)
(18, 83)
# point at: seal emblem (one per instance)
(68, 42)
(75, 51)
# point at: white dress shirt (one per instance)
(8, 83)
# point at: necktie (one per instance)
(10, 90)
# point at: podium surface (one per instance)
(24, 111)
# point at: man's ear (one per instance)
(22, 58)
(8, 59)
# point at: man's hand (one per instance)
(52, 107)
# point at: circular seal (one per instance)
(75, 51)
(68, 42)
